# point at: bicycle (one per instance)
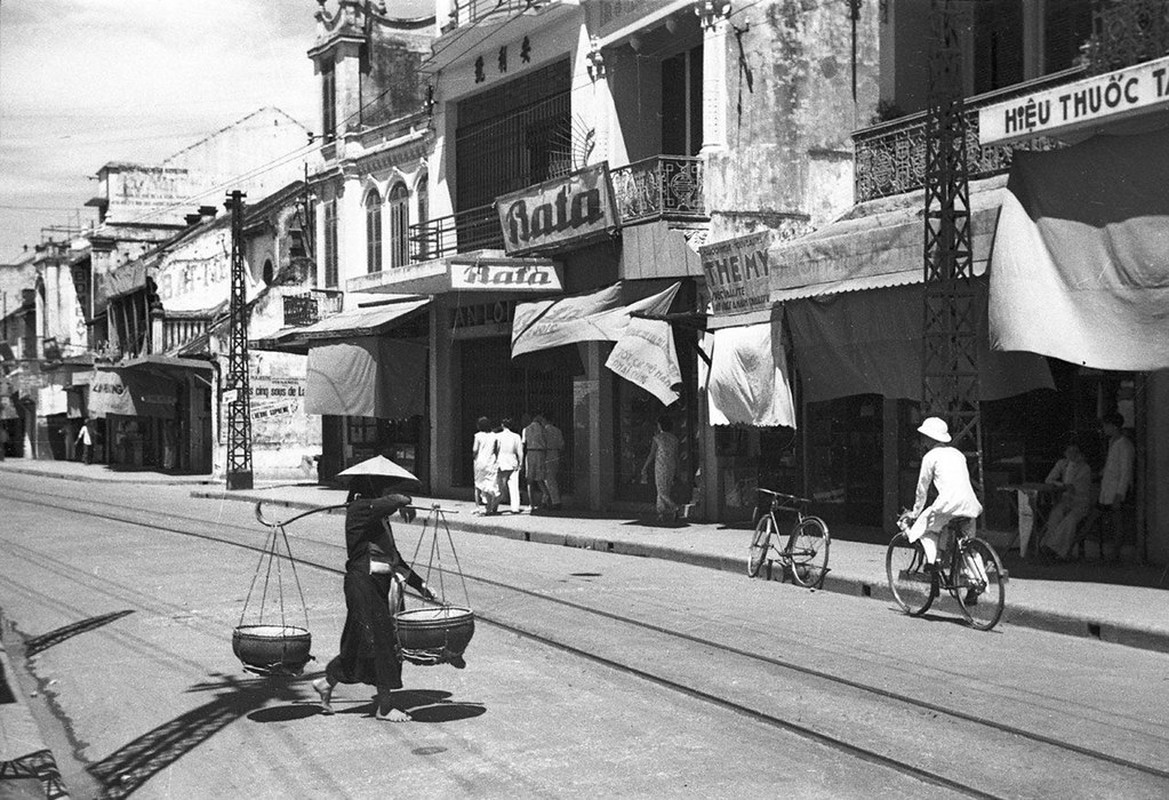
(805, 554)
(915, 586)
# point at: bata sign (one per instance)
(557, 211)
(510, 277)
(1107, 97)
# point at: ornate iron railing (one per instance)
(661, 187)
(473, 229)
(890, 157)
(1127, 32)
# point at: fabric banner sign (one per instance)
(51, 400)
(371, 376)
(1080, 269)
(646, 356)
(597, 317)
(747, 381)
(131, 393)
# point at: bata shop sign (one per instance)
(738, 273)
(485, 276)
(1102, 98)
(553, 213)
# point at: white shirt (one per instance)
(945, 468)
(511, 450)
(1116, 479)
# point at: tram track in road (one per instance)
(653, 672)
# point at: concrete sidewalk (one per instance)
(1122, 603)
(1114, 603)
(27, 766)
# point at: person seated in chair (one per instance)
(1073, 475)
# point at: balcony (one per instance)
(473, 229)
(890, 157)
(661, 187)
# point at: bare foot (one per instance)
(325, 690)
(393, 715)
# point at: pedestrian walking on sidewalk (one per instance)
(485, 450)
(374, 573)
(3, 441)
(663, 456)
(511, 456)
(553, 447)
(534, 463)
(85, 439)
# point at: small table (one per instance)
(1033, 503)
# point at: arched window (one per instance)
(373, 231)
(423, 195)
(399, 226)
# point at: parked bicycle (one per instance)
(804, 551)
(971, 572)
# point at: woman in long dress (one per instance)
(486, 454)
(663, 455)
(374, 572)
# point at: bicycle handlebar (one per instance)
(783, 496)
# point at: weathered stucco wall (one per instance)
(790, 113)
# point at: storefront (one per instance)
(1080, 271)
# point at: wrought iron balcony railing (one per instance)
(473, 229)
(890, 157)
(661, 187)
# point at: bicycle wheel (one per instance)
(760, 542)
(982, 602)
(913, 586)
(807, 551)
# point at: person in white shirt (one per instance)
(511, 455)
(1116, 479)
(945, 468)
(85, 439)
(1074, 476)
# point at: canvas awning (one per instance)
(132, 393)
(747, 381)
(1081, 261)
(597, 317)
(352, 324)
(369, 376)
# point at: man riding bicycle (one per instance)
(945, 468)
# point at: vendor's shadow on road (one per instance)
(423, 705)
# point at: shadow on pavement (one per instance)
(128, 768)
(38, 644)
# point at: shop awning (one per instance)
(161, 360)
(875, 245)
(596, 317)
(871, 343)
(747, 381)
(370, 376)
(1081, 262)
(351, 324)
(132, 393)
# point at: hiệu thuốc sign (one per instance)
(1091, 101)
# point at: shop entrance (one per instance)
(495, 386)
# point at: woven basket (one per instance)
(272, 649)
(439, 635)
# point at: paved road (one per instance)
(589, 675)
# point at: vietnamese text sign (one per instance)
(510, 277)
(646, 357)
(737, 273)
(1112, 95)
(557, 211)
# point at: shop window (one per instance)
(373, 231)
(399, 226)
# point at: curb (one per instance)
(30, 757)
(66, 476)
(836, 582)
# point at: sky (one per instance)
(86, 82)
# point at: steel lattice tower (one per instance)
(239, 406)
(950, 331)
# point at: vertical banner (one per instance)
(646, 356)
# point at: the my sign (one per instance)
(738, 273)
(557, 211)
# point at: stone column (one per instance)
(714, 16)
